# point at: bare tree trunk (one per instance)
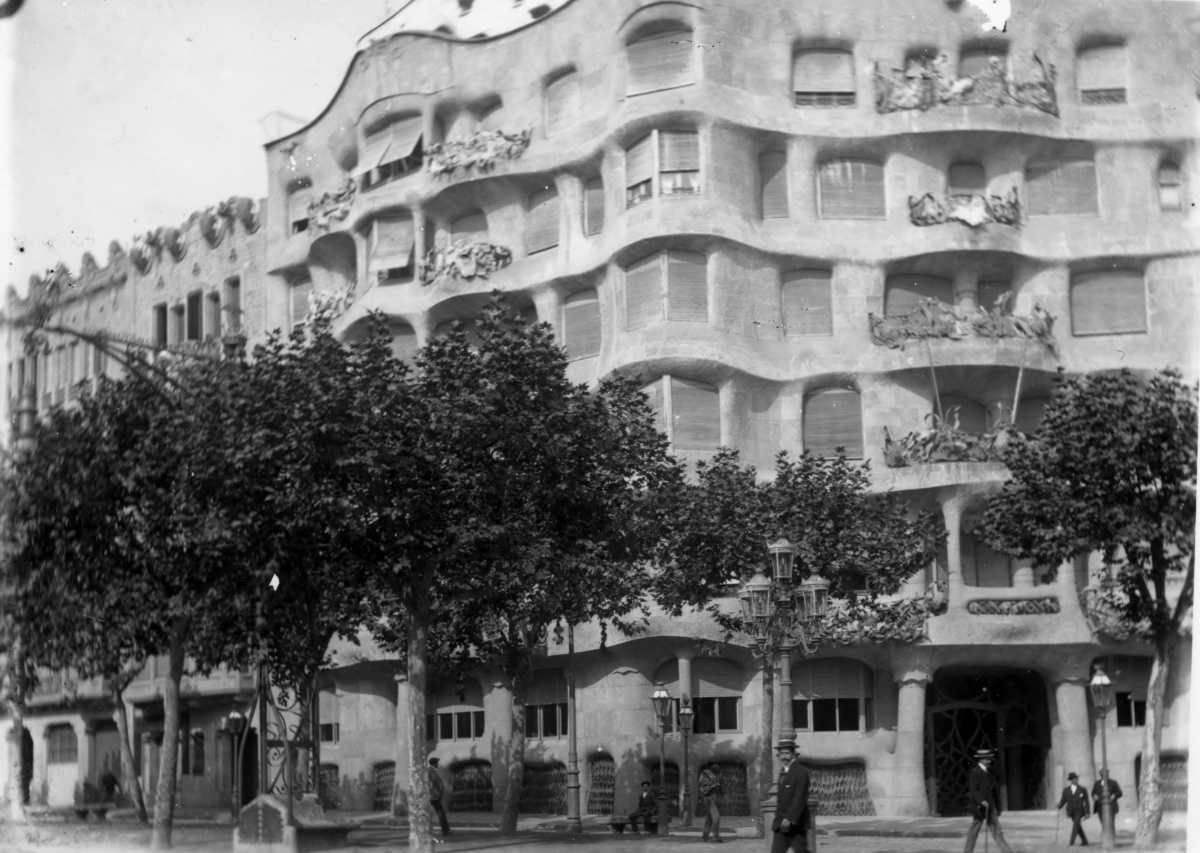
(766, 764)
(164, 797)
(420, 828)
(515, 771)
(1150, 798)
(131, 781)
(16, 734)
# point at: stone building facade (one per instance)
(804, 228)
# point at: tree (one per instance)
(500, 504)
(723, 520)
(1112, 468)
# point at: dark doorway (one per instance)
(1002, 709)
(249, 767)
(26, 764)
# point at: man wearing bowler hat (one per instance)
(1075, 798)
(984, 793)
(789, 829)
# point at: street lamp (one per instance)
(235, 724)
(1102, 698)
(662, 707)
(686, 714)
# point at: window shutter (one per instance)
(854, 680)
(654, 399)
(391, 243)
(716, 678)
(471, 228)
(973, 63)
(298, 204)
(643, 293)
(851, 189)
(639, 161)
(1029, 413)
(328, 705)
(541, 225)
(1108, 302)
(988, 292)
(1061, 187)
(832, 419)
(660, 61)
(300, 294)
(581, 325)
(966, 178)
(823, 679)
(562, 101)
(823, 71)
(687, 287)
(807, 302)
(906, 292)
(972, 416)
(593, 207)
(1101, 67)
(394, 142)
(695, 415)
(1170, 186)
(772, 176)
(678, 151)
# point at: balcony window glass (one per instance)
(664, 162)
(670, 284)
(833, 695)
(392, 249)
(391, 151)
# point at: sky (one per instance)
(124, 115)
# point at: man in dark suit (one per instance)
(1114, 792)
(1075, 798)
(647, 809)
(984, 793)
(790, 827)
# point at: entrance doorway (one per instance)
(1000, 709)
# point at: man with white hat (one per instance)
(984, 792)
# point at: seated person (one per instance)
(647, 809)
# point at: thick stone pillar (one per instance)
(85, 739)
(909, 797)
(1073, 749)
(549, 309)
(966, 288)
(952, 509)
(498, 704)
(1022, 576)
(401, 788)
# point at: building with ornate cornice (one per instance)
(804, 228)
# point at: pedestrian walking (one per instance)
(437, 790)
(1114, 792)
(710, 785)
(984, 793)
(647, 809)
(790, 827)
(1075, 799)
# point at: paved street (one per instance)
(1027, 832)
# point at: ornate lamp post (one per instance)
(686, 715)
(662, 708)
(1102, 698)
(235, 724)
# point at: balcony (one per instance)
(478, 152)
(936, 319)
(972, 210)
(928, 83)
(945, 442)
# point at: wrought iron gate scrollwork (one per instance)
(293, 743)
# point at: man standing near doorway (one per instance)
(790, 827)
(1075, 798)
(710, 786)
(984, 793)
(437, 791)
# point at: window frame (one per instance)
(535, 720)
(804, 424)
(1033, 201)
(719, 705)
(537, 203)
(57, 751)
(824, 98)
(638, 82)
(1104, 95)
(804, 709)
(851, 162)
(665, 416)
(1085, 277)
(299, 194)
(1165, 165)
(435, 720)
(663, 259)
(655, 184)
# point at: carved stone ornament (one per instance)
(172, 239)
(927, 83)
(464, 260)
(934, 319)
(1047, 606)
(970, 209)
(332, 206)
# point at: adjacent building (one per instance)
(804, 228)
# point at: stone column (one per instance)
(912, 675)
(548, 303)
(500, 713)
(1074, 747)
(85, 740)
(400, 801)
(966, 288)
(1022, 576)
(952, 508)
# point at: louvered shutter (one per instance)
(391, 243)
(657, 403)
(404, 341)
(807, 302)
(854, 680)
(300, 294)
(1061, 187)
(639, 161)
(581, 325)
(772, 176)
(660, 61)
(1108, 302)
(988, 292)
(1029, 413)
(695, 415)
(832, 419)
(973, 63)
(823, 679)
(593, 207)
(716, 678)
(394, 142)
(687, 287)
(562, 102)
(906, 292)
(471, 228)
(823, 71)
(678, 151)
(541, 224)
(643, 293)
(972, 416)
(966, 178)
(1101, 67)
(851, 189)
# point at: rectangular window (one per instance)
(195, 320)
(212, 316)
(833, 419)
(660, 61)
(462, 724)
(175, 335)
(300, 292)
(446, 726)
(231, 303)
(687, 287)
(1061, 187)
(297, 208)
(392, 249)
(665, 162)
(562, 102)
(391, 152)
(581, 325)
(61, 745)
(772, 179)
(593, 207)
(541, 221)
(331, 732)
(1131, 712)
(851, 189)
(823, 78)
(546, 720)
(715, 714)
(477, 724)
(800, 714)
(197, 750)
(644, 293)
(1100, 73)
(824, 713)
(639, 171)
(1108, 302)
(160, 325)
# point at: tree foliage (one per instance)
(1112, 469)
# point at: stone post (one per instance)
(401, 789)
(952, 514)
(912, 674)
(1074, 745)
(500, 712)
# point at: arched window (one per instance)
(823, 77)
(541, 220)
(905, 292)
(688, 412)
(1061, 186)
(660, 58)
(773, 185)
(851, 189)
(1107, 302)
(581, 325)
(806, 299)
(391, 151)
(835, 695)
(562, 101)
(966, 178)
(1100, 74)
(833, 420)
(298, 200)
(469, 228)
(384, 774)
(1170, 186)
